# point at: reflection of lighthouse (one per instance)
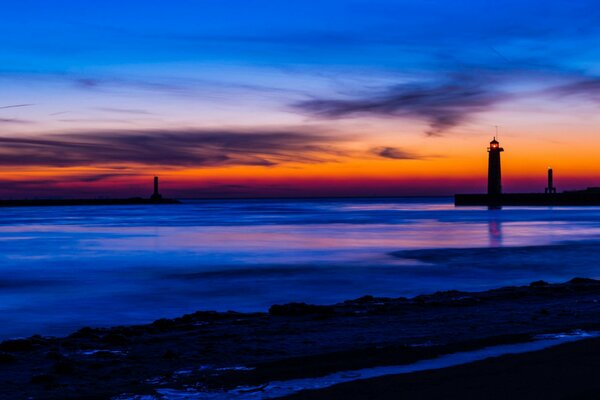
(495, 232)
(494, 172)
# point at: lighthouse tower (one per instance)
(156, 196)
(494, 171)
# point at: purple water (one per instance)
(67, 267)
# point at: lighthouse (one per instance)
(550, 189)
(494, 170)
(156, 196)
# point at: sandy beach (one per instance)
(211, 352)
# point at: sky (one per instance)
(313, 98)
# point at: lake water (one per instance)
(68, 267)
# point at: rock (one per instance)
(6, 358)
(131, 331)
(84, 333)
(16, 345)
(43, 379)
(170, 355)
(115, 339)
(204, 316)
(105, 354)
(365, 299)
(428, 300)
(539, 284)
(583, 281)
(54, 355)
(164, 324)
(464, 301)
(64, 366)
(299, 309)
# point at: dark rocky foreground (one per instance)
(204, 350)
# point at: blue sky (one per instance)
(415, 34)
(376, 74)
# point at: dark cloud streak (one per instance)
(14, 121)
(443, 104)
(587, 86)
(134, 111)
(395, 153)
(16, 106)
(169, 148)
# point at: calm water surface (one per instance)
(67, 267)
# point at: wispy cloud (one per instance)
(14, 121)
(63, 179)
(396, 153)
(16, 106)
(443, 104)
(170, 148)
(588, 87)
(120, 83)
(177, 86)
(99, 177)
(134, 111)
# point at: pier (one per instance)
(550, 197)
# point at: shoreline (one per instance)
(216, 351)
(565, 371)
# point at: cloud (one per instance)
(169, 148)
(444, 105)
(99, 177)
(134, 111)
(586, 86)
(14, 121)
(16, 106)
(104, 83)
(395, 153)
(63, 179)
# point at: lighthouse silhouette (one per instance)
(494, 170)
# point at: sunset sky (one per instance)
(296, 98)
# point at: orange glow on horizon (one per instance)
(441, 165)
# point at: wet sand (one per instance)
(568, 371)
(210, 351)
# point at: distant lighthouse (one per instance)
(550, 189)
(494, 170)
(156, 196)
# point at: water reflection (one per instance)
(114, 265)
(495, 232)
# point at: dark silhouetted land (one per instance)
(300, 340)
